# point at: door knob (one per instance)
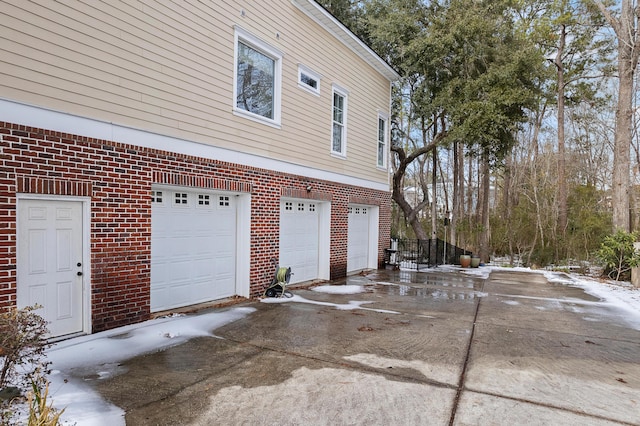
(79, 273)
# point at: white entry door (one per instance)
(299, 238)
(50, 262)
(358, 238)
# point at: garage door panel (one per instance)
(201, 290)
(161, 252)
(180, 270)
(225, 243)
(299, 237)
(182, 246)
(202, 268)
(198, 246)
(193, 249)
(224, 262)
(178, 292)
(358, 238)
(161, 273)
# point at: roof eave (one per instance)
(323, 18)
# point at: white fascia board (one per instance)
(33, 116)
(327, 21)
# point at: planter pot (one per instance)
(475, 262)
(465, 260)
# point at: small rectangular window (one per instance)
(223, 201)
(156, 196)
(300, 207)
(312, 207)
(181, 198)
(288, 206)
(203, 200)
(308, 80)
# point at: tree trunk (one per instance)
(622, 145)
(507, 201)
(433, 249)
(457, 192)
(469, 202)
(562, 180)
(628, 51)
(506, 191)
(484, 212)
(411, 213)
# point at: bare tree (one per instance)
(625, 26)
(562, 180)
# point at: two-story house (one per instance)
(157, 155)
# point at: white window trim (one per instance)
(317, 77)
(385, 154)
(345, 94)
(252, 41)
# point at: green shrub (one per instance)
(618, 254)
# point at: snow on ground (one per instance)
(98, 356)
(353, 304)
(621, 295)
(339, 289)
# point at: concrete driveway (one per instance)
(436, 348)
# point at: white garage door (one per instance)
(193, 247)
(299, 241)
(358, 238)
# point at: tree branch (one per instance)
(615, 24)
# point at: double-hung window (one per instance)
(258, 76)
(382, 141)
(339, 122)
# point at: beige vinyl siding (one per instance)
(167, 68)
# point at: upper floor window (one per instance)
(382, 140)
(257, 82)
(308, 80)
(339, 131)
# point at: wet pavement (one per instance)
(433, 348)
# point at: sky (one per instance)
(99, 355)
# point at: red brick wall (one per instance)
(118, 178)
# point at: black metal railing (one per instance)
(416, 254)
